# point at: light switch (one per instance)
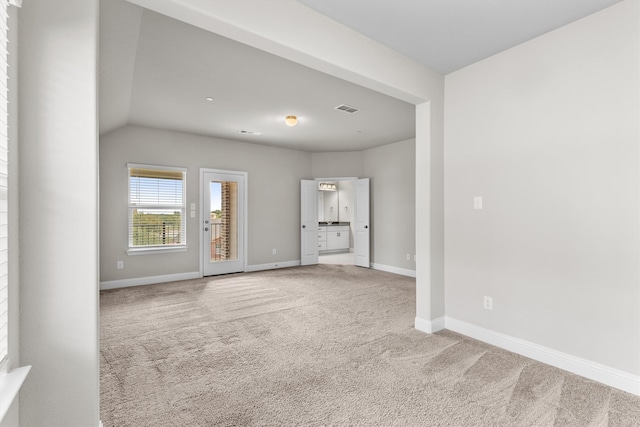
(193, 214)
(193, 206)
(477, 202)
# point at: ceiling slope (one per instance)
(119, 28)
(177, 66)
(448, 35)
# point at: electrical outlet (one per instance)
(273, 251)
(408, 257)
(488, 303)
(120, 265)
(477, 202)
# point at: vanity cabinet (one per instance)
(333, 238)
(322, 238)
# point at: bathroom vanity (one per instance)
(333, 237)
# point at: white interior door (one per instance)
(362, 229)
(308, 222)
(223, 222)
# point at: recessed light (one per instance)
(249, 132)
(208, 98)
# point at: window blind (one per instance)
(4, 235)
(156, 207)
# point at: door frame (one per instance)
(245, 221)
(344, 178)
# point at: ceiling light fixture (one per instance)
(208, 98)
(291, 120)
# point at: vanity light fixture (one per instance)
(291, 120)
(327, 186)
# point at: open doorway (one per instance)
(335, 221)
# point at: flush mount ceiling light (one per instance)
(291, 120)
(208, 98)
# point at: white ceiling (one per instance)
(156, 71)
(446, 35)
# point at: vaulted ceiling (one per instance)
(156, 71)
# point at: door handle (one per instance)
(366, 226)
(206, 221)
(304, 226)
(206, 229)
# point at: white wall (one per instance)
(393, 214)
(274, 176)
(391, 168)
(336, 164)
(547, 133)
(274, 196)
(58, 212)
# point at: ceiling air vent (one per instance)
(347, 108)
(249, 132)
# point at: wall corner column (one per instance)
(58, 189)
(430, 310)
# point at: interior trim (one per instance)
(595, 371)
(148, 280)
(392, 269)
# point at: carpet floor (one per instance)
(320, 345)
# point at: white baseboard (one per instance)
(149, 280)
(610, 376)
(429, 326)
(396, 270)
(272, 266)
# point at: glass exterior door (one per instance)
(223, 223)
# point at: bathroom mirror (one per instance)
(335, 201)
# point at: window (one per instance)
(157, 211)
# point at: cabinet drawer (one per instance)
(322, 246)
(322, 228)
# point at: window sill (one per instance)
(148, 251)
(10, 384)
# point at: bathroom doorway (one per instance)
(335, 221)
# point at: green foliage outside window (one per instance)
(154, 229)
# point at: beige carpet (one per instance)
(320, 345)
